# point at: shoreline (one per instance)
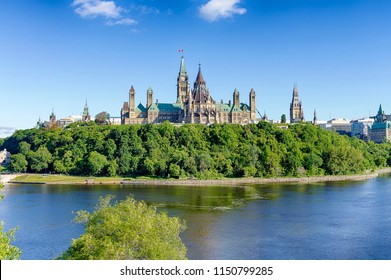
(48, 180)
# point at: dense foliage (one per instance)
(219, 150)
(127, 230)
(7, 251)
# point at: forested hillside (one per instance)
(164, 150)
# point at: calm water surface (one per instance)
(349, 220)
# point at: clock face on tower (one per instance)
(182, 79)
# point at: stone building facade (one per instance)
(296, 108)
(194, 105)
(381, 128)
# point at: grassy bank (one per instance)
(64, 179)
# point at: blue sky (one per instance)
(55, 54)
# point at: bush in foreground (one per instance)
(7, 251)
(127, 230)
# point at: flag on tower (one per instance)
(181, 50)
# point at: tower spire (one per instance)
(182, 68)
(296, 109)
(200, 78)
(86, 113)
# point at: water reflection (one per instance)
(347, 220)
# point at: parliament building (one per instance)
(194, 105)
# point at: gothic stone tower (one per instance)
(86, 113)
(182, 83)
(296, 109)
(200, 106)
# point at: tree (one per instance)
(7, 251)
(96, 163)
(283, 118)
(128, 229)
(102, 118)
(40, 159)
(18, 163)
(24, 148)
(112, 168)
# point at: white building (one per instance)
(115, 120)
(5, 157)
(342, 126)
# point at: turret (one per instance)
(236, 98)
(149, 97)
(253, 114)
(132, 94)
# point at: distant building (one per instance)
(5, 157)
(115, 120)
(296, 108)
(361, 128)
(342, 126)
(381, 128)
(315, 120)
(52, 123)
(64, 122)
(85, 117)
(192, 105)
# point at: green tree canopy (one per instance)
(40, 159)
(102, 118)
(96, 163)
(192, 150)
(283, 118)
(18, 163)
(128, 229)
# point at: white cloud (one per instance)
(6, 131)
(113, 13)
(95, 8)
(218, 9)
(123, 21)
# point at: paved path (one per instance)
(5, 178)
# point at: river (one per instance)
(333, 220)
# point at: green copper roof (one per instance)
(153, 107)
(166, 107)
(169, 107)
(382, 125)
(243, 105)
(223, 107)
(380, 110)
(182, 68)
(140, 108)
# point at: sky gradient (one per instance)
(56, 54)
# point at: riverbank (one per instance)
(64, 179)
(5, 178)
